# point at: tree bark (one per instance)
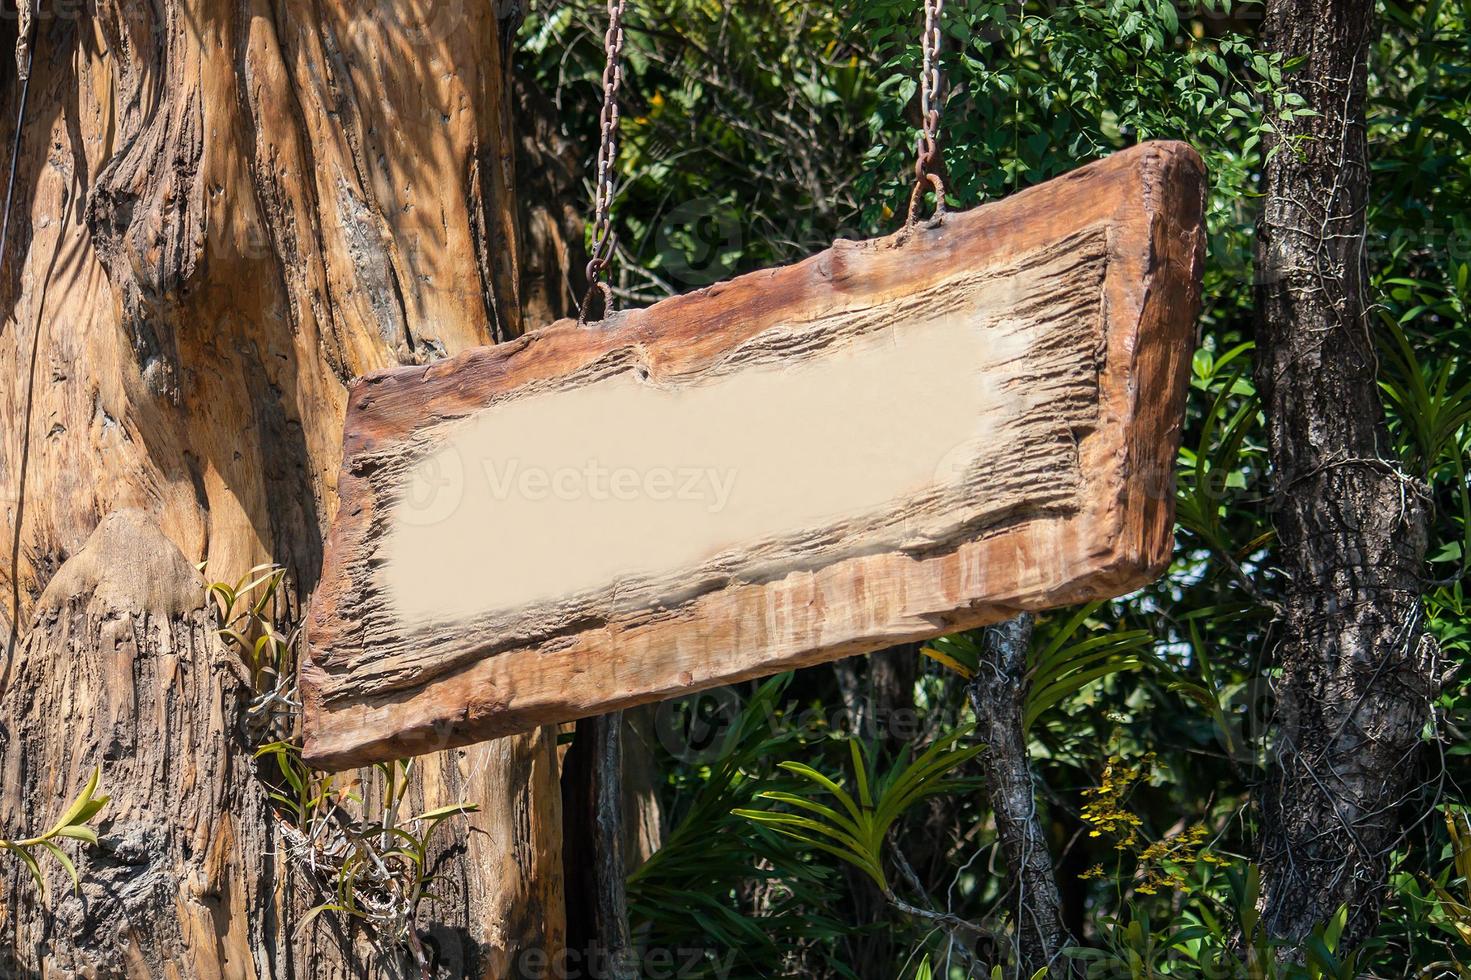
(1356, 672)
(998, 695)
(221, 214)
(610, 825)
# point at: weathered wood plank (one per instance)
(890, 440)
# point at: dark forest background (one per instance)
(755, 134)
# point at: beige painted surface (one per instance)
(559, 493)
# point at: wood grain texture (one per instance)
(1084, 293)
(222, 213)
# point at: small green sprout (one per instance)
(73, 824)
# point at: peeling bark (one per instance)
(1357, 671)
(549, 173)
(189, 878)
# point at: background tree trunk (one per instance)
(223, 212)
(998, 694)
(596, 928)
(1356, 673)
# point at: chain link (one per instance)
(927, 155)
(604, 240)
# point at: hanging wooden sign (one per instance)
(891, 440)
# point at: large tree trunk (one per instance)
(1356, 673)
(222, 213)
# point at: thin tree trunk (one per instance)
(609, 827)
(611, 874)
(222, 213)
(998, 694)
(1357, 674)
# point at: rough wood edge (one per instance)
(1156, 193)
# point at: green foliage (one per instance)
(1444, 901)
(1062, 666)
(1201, 940)
(1223, 460)
(756, 133)
(1036, 89)
(352, 837)
(926, 971)
(691, 892)
(73, 824)
(857, 832)
(740, 126)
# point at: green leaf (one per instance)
(65, 862)
(83, 798)
(453, 809)
(860, 774)
(317, 910)
(76, 832)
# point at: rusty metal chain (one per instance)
(927, 155)
(604, 240)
